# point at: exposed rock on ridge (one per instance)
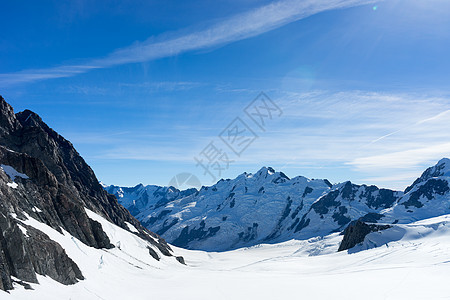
(356, 232)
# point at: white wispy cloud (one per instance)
(320, 132)
(235, 28)
(386, 139)
(402, 159)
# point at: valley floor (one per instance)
(416, 266)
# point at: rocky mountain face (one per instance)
(269, 207)
(43, 177)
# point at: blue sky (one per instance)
(142, 87)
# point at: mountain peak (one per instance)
(7, 117)
(444, 161)
(28, 117)
(442, 168)
(266, 173)
(266, 170)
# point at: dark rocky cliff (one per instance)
(356, 232)
(57, 188)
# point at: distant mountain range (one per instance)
(269, 207)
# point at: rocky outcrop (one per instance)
(356, 232)
(42, 176)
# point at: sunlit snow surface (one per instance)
(411, 262)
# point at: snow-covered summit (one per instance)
(230, 214)
(265, 174)
(428, 196)
(441, 169)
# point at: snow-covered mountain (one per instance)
(269, 207)
(51, 203)
(428, 196)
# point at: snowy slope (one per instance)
(106, 271)
(411, 262)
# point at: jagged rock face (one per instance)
(42, 176)
(268, 207)
(25, 255)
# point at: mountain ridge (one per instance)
(227, 215)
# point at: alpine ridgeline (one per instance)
(44, 179)
(269, 207)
